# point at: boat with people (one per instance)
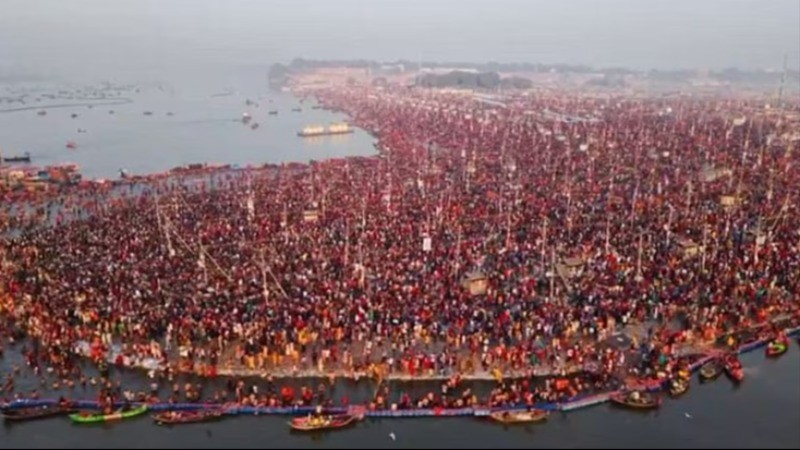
(678, 386)
(734, 369)
(322, 422)
(24, 158)
(636, 400)
(337, 128)
(710, 371)
(187, 417)
(777, 347)
(101, 417)
(35, 412)
(515, 417)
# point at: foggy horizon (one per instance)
(91, 38)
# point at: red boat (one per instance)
(733, 369)
(319, 423)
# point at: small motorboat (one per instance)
(297, 109)
(99, 417)
(274, 112)
(710, 371)
(72, 145)
(733, 369)
(24, 158)
(254, 126)
(678, 386)
(42, 113)
(513, 417)
(35, 412)
(320, 423)
(777, 348)
(186, 417)
(636, 400)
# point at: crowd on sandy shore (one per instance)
(481, 240)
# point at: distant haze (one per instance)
(100, 39)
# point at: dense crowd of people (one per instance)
(481, 240)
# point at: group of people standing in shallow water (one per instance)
(481, 241)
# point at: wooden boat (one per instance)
(678, 386)
(710, 371)
(734, 370)
(322, 423)
(34, 412)
(636, 400)
(185, 417)
(512, 417)
(96, 417)
(776, 348)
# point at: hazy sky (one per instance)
(106, 37)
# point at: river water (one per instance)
(186, 124)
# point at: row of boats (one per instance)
(309, 423)
(635, 399)
(312, 422)
(679, 385)
(66, 408)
